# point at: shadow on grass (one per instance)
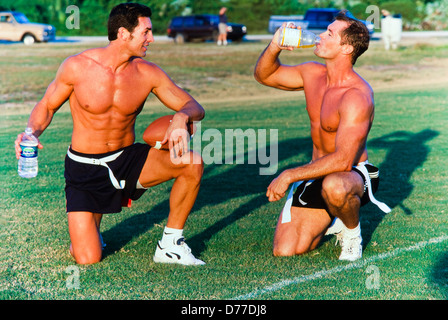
(240, 180)
(440, 274)
(406, 152)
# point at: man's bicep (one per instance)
(169, 93)
(356, 109)
(356, 115)
(56, 95)
(61, 87)
(286, 78)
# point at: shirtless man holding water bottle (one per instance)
(326, 194)
(107, 88)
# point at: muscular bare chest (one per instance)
(323, 110)
(322, 106)
(99, 90)
(329, 110)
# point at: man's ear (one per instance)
(123, 33)
(347, 49)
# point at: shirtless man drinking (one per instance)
(333, 186)
(107, 88)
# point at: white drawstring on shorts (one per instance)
(101, 162)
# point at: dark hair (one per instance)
(356, 35)
(125, 15)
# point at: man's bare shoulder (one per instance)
(312, 76)
(149, 72)
(312, 71)
(364, 84)
(360, 88)
(77, 62)
(83, 56)
(70, 68)
(359, 97)
(145, 65)
(313, 66)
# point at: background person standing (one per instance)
(222, 27)
(391, 30)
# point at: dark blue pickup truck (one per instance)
(315, 20)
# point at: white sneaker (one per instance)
(179, 253)
(336, 229)
(351, 249)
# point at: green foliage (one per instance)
(407, 9)
(253, 13)
(436, 15)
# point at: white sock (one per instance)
(351, 233)
(170, 235)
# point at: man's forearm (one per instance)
(40, 118)
(192, 111)
(319, 168)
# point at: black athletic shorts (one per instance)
(309, 193)
(89, 187)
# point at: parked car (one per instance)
(202, 27)
(15, 26)
(315, 20)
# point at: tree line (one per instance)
(93, 14)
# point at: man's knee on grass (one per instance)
(86, 256)
(285, 246)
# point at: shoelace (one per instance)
(181, 242)
(338, 238)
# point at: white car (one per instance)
(15, 26)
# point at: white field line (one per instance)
(324, 273)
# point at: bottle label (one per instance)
(28, 152)
(291, 37)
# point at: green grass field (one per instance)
(232, 224)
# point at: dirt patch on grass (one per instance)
(424, 75)
(213, 74)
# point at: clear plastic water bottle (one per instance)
(298, 38)
(27, 167)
